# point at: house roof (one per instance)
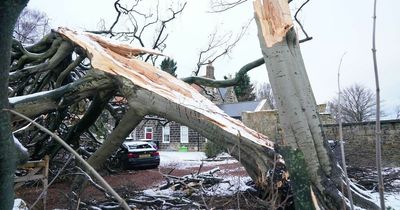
(235, 109)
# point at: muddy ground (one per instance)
(129, 182)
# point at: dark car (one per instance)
(135, 154)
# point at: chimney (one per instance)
(210, 70)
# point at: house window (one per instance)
(165, 134)
(148, 133)
(184, 134)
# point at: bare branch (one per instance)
(31, 26)
(378, 141)
(222, 6)
(344, 166)
(225, 83)
(301, 26)
(150, 21)
(218, 47)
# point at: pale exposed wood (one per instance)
(150, 90)
(109, 59)
(275, 19)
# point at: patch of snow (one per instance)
(182, 160)
(223, 155)
(156, 192)
(229, 171)
(20, 204)
(386, 171)
(229, 186)
(396, 183)
(392, 199)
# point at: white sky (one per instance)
(337, 26)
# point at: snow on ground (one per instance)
(20, 204)
(190, 159)
(234, 184)
(229, 186)
(392, 199)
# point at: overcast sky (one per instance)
(337, 26)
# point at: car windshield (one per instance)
(140, 146)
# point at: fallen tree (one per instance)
(148, 91)
(67, 67)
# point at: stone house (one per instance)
(170, 135)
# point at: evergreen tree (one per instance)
(169, 65)
(244, 90)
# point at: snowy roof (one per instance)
(235, 109)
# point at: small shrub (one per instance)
(212, 149)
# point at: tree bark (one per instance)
(295, 101)
(9, 11)
(255, 153)
(128, 122)
(44, 102)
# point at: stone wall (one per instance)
(359, 137)
(359, 141)
(265, 122)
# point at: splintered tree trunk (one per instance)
(296, 103)
(151, 91)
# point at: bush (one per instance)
(212, 149)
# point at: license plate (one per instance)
(144, 156)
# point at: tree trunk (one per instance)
(149, 90)
(9, 11)
(255, 153)
(128, 122)
(295, 101)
